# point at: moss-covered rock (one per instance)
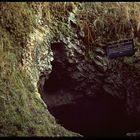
(84, 29)
(22, 111)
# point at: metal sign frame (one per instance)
(121, 48)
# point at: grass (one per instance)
(104, 22)
(22, 112)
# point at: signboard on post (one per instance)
(119, 49)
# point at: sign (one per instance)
(119, 49)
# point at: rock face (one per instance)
(77, 80)
(38, 55)
(61, 54)
(78, 74)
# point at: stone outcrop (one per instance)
(78, 73)
(67, 64)
(87, 75)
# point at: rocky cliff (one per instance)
(54, 54)
(81, 69)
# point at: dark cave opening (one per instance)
(101, 115)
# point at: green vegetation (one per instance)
(22, 112)
(104, 22)
(101, 22)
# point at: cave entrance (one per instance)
(101, 116)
